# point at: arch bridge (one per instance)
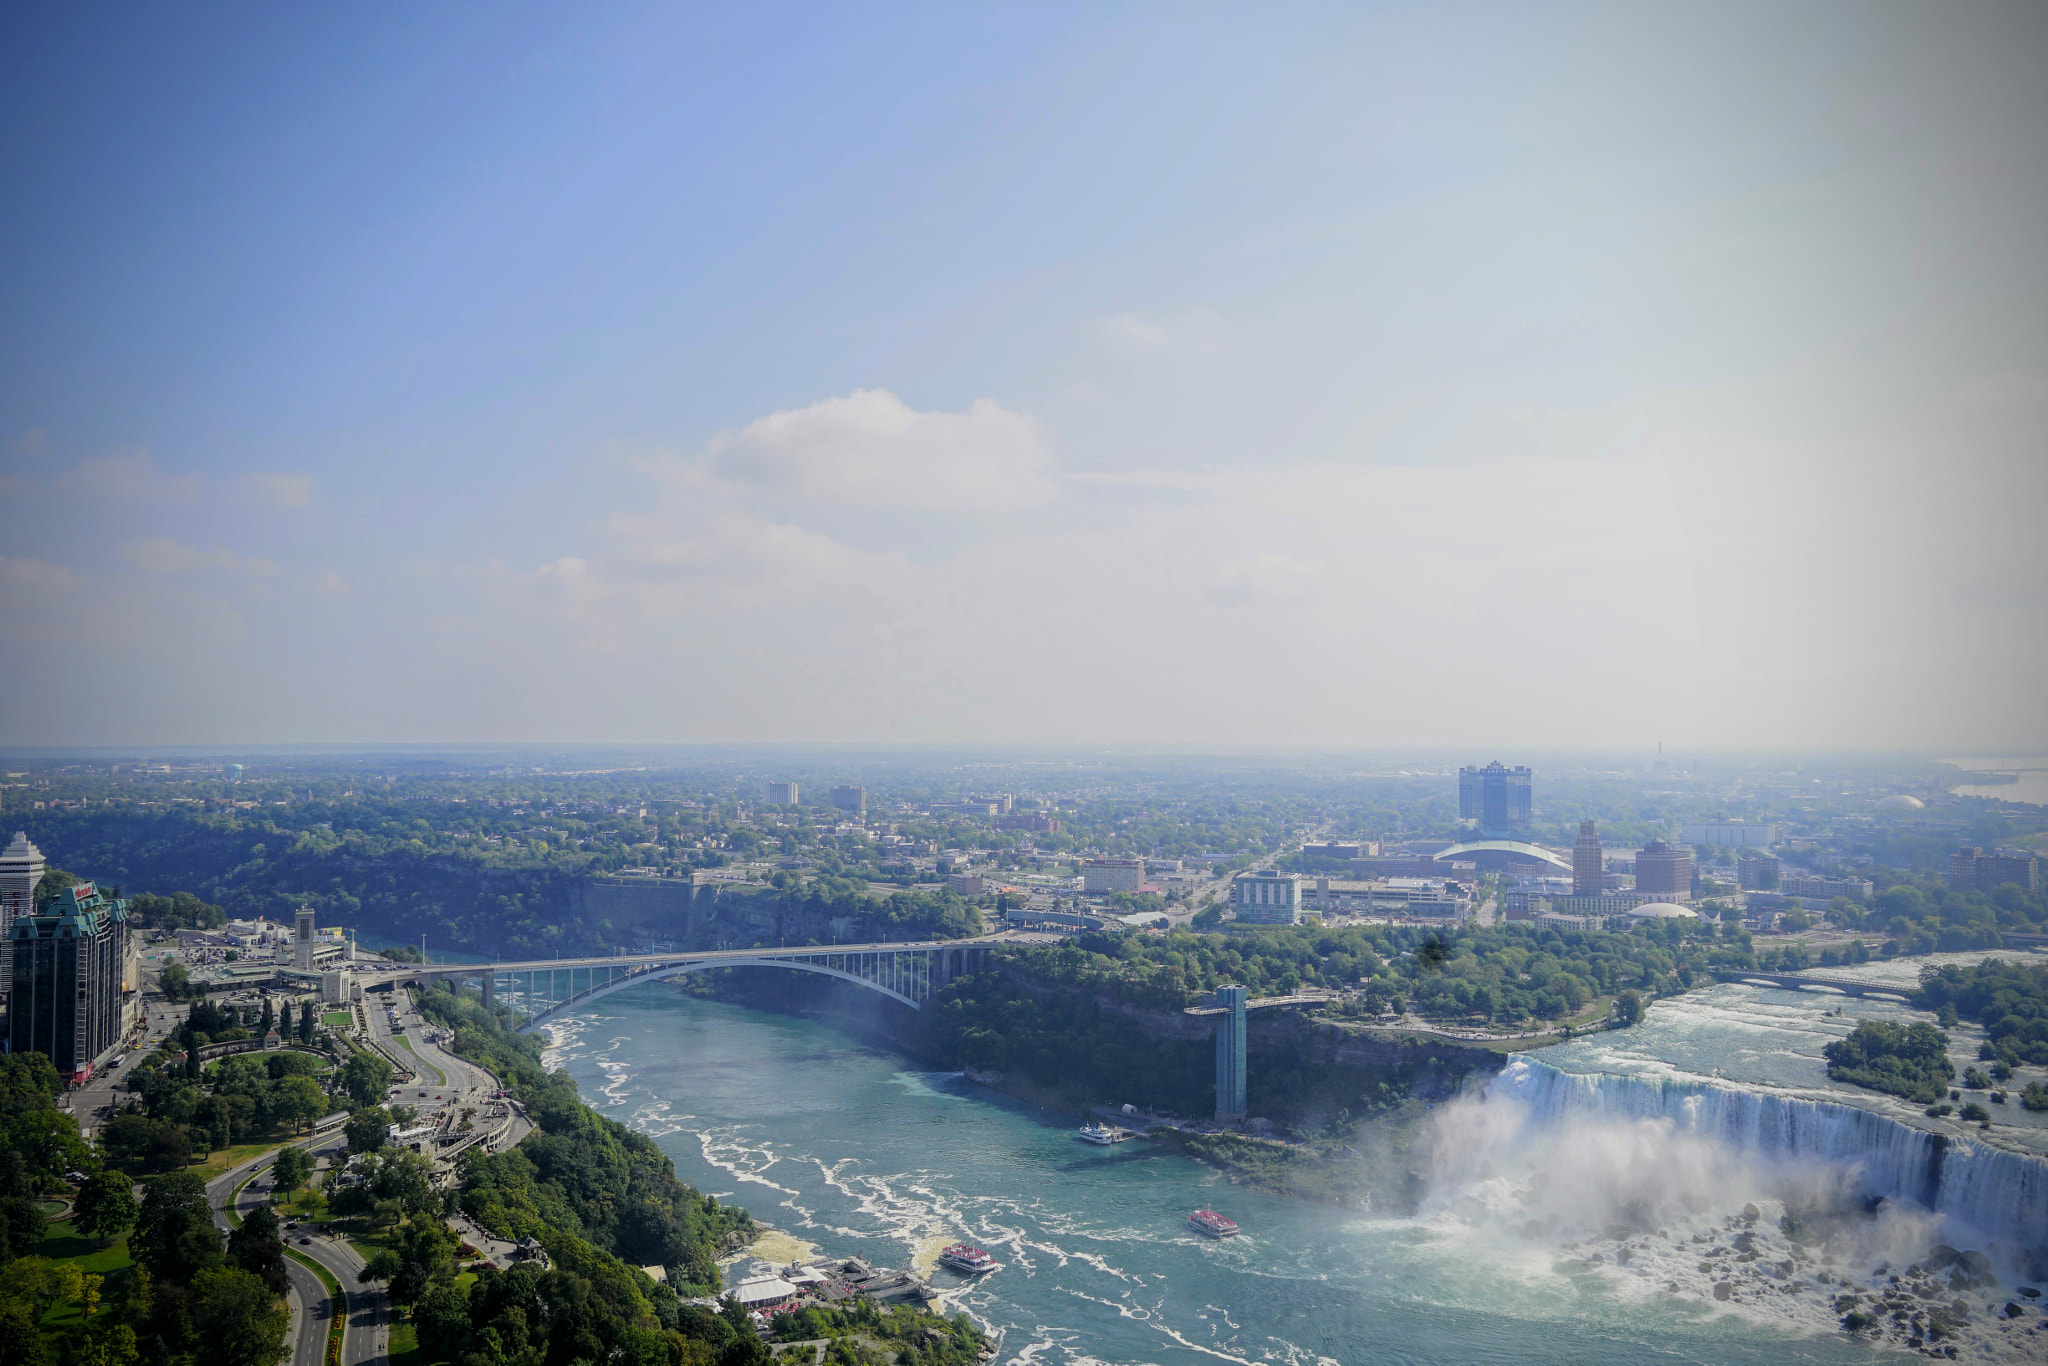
(1793, 981)
(551, 988)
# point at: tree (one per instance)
(366, 1129)
(241, 1320)
(174, 1235)
(298, 1100)
(254, 1246)
(367, 1079)
(294, 1165)
(306, 1023)
(1628, 1008)
(284, 1020)
(441, 1318)
(174, 980)
(105, 1206)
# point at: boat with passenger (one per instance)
(1103, 1134)
(1210, 1224)
(966, 1259)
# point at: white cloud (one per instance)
(282, 490)
(21, 572)
(163, 555)
(1193, 331)
(134, 477)
(870, 449)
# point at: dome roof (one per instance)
(1899, 801)
(1659, 910)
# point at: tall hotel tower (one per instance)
(21, 868)
(1586, 880)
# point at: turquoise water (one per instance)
(856, 1150)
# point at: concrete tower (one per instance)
(1586, 861)
(21, 868)
(1230, 1055)
(302, 940)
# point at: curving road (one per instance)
(366, 1338)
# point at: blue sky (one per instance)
(1351, 374)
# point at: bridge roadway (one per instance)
(905, 972)
(1796, 981)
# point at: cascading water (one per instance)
(2002, 1195)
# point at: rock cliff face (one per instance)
(1304, 1072)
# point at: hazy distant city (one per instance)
(1023, 685)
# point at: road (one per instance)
(367, 1336)
(1219, 886)
(464, 1086)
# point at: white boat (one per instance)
(1210, 1224)
(966, 1259)
(1103, 1134)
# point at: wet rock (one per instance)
(2030, 1292)
(1623, 1257)
(1750, 1214)
(2013, 1311)
(1724, 1290)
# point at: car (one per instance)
(307, 1242)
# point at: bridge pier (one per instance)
(490, 991)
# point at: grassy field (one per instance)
(63, 1243)
(227, 1159)
(337, 1019)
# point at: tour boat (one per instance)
(1210, 1224)
(1099, 1133)
(966, 1259)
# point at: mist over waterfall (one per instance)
(1694, 1131)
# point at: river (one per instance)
(862, 1153)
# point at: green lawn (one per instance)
(231, 1157)
(405, 1344)
(337, 1019)
(61, 1242)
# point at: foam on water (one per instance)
(848, 1148)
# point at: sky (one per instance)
(1297, 374)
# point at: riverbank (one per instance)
(1364, 1091)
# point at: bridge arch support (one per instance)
(603, 989)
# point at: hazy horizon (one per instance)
(1338, 379)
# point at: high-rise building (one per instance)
(1756, 871)
(1267, 898)
(782, 794)
(21, 868)
(1586, 861)
(1973, 870)
(67, 964)
(1113, 875)
(1495, 796)
(303, 939)
(1230, 1102)
(854, 799)
(1663, 870)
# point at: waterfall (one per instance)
(2000, 1194)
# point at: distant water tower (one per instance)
(1230, 1055)
(233, 773)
